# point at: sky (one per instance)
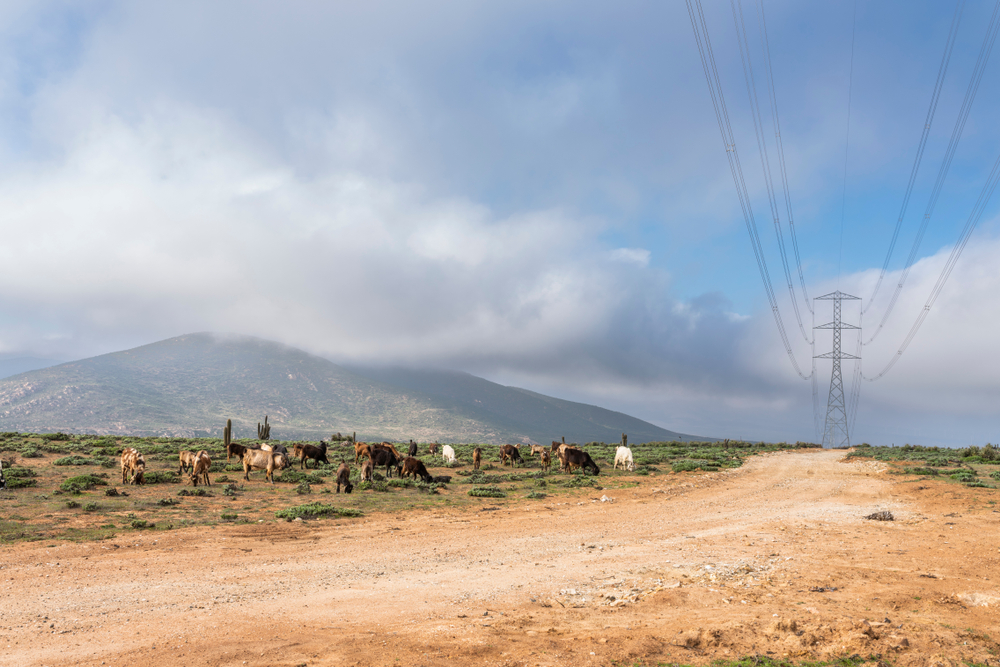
(534, 192)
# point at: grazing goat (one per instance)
(415, 467)
(433, 448)
(199, 473)
(537, 449)
(367, 471)
(412, 451)
(571, 458)
(237, 450)
(477, 458)
(274, 447)
(306, 452)
(448, 453)
(258, 459)
(187, 459)
(133, 466)
(391, 447)
(509, 453)
(386, 457)
(623, 455)
(546, 460)
(362, 449)
(344, 477)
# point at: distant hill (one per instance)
(18, 365)
(188, 386)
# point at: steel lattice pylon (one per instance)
(835, 432)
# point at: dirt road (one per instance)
(771, 558)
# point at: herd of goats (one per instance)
(269, 457)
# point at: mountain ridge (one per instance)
(189, 385)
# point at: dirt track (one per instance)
(699, 567)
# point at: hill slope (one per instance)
(189, 385)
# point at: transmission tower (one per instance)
(835, 433)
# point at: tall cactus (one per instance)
(264, 430)
(624, 440)
(227, 433)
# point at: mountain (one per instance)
(523, 411)
(18, 365)
(189, 385)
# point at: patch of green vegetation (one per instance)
(229, 516)
(80, 483)
(920, 471)
(167, 502)
(536, 495)
(315, 511)
(379, 486)
(487, 492)
(72, 504)
(303, 488)
(161, 477)
(20, 478)
(91, 507)
(74, 460)
(297, 477)
(200, 493)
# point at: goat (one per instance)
(412, 451)
(448, 452)
(509, 453)
(132, 464)
(237, 450)
(361, 449)
(344, 477)
(623, 455)
(477, 458)
(187, 459)
(433, 448)
(415, 467)
(572, 457)
(367, 471)
(546, 460)
(306, 452)
(537, 449)
(258, 459)
(386, 457)
(200, 468)
(274, 447)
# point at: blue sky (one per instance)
(534, 192)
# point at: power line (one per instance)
(956, 135)
(725, 129)
(847, 143)
(928, 121)
(765, 163)
(956, 252)
(781, 155)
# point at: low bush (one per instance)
(685, 466)
(921, 471)
(229, 516)
(91, 507)
(72, 504)
(303, 488)
(161, 477)
(201, 493)
(995, 474)
(140, 524)
(20, 478)
(297, 477)
(74, 460)
(316, 510)
(232, 489)
(167, 502)
(80, 483)
(30, 452)
(536, 495)
(113, 492)
(487, 492)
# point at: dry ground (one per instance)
(772, 558)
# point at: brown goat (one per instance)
(187, 459)
(257, 459)
(477, 458)
(200, 469)
(133, 466)
(361, 449)
(414, 466)
(344, 477)
(367, 471)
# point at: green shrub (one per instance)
(222, 479)
(167, 502)
(29, 452)
(229, 516)
(161, 477)
(91, 507)
(995, 474)
(114, 492)
(201, 493)
(487, 492)
(72, 504)
(297, 477)
(378, 486)
(232, 489)
(964, 476)
(316, 510)
(140, 524)
(20, 478)
(80, 483)
(536, 494)
(921, 471)
(74, 461)
(303, 488)
(685, 466)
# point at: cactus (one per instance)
(264, 430)
(624, 440)
(227, 433)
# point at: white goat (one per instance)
(448, 452)
(623, 455)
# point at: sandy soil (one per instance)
(773, 558)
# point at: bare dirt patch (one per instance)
(774, 558)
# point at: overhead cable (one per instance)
(762, 22)
(956, 252)
(928, 121)
(765, 162)
(704, 44)
(956, 135)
